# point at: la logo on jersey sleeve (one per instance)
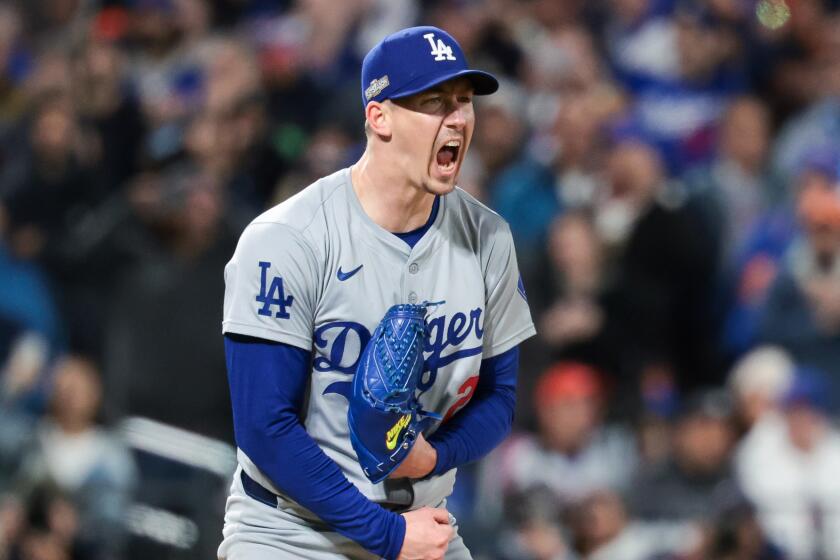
(274, 295)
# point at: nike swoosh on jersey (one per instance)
(342, 276)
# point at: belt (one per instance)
(258, 492)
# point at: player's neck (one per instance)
(388, 199)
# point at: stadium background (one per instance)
(669, 169)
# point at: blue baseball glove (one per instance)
(385, 416)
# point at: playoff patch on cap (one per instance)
(376, 87)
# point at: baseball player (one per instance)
(307, 286)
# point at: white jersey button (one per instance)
(413, 268)
(412, 298)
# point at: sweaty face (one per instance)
(431, 133)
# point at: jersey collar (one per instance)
(383, 236)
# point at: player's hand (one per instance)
(420, 461)
(427, 534)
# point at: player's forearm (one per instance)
(474, 432)
(266, 381)
(307, 475)
(485, 421)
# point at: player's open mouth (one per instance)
(447, 157)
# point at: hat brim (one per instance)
(483, 83)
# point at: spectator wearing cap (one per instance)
(574, 450)
(683, 487)
(789, 467)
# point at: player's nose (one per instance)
(456, 118)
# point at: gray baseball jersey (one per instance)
(317, 273)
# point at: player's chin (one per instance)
(442, 180)
(438, 187)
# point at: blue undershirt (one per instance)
(268, 381)
(413, 236)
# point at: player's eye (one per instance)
(431, 101)
(465, 99)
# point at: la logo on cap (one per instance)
(440, 50)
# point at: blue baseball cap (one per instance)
(823, 159)
(811, 388)
(415, 59)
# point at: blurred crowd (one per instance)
(670, 170)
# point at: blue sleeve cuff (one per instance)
(396, 538)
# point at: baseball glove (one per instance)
(385, 416)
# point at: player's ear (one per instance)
(378, 118)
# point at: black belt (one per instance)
(263, 495)
(257, 491)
